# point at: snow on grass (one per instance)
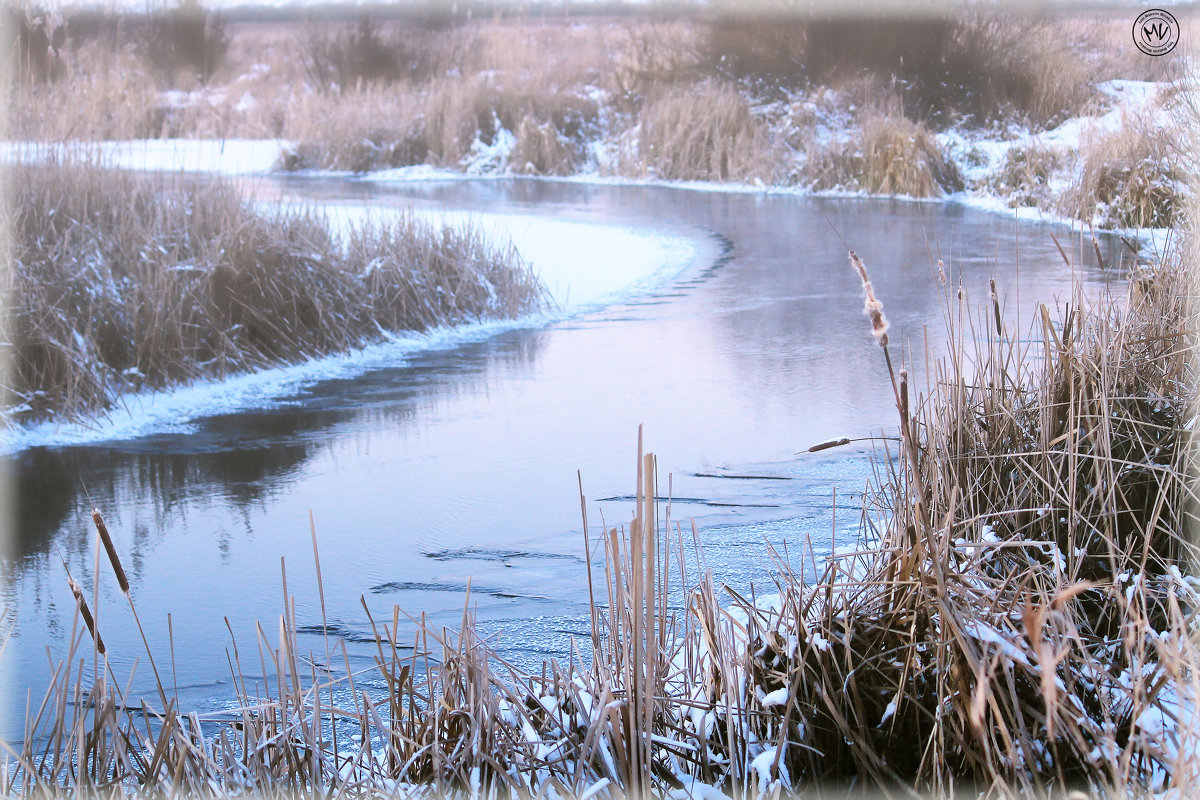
(583, 265)
(981, 156)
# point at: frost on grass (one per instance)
(120, 282)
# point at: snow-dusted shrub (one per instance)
(1025, 175)
(888, 154)
(1129, 178)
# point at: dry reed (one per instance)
(888, 154)
(1015, 620)
(118, 282)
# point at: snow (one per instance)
(694, 789)
(583, 265)
(215, 156)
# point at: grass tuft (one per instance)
(890, 154)
(120, 282)
(1130, 178)
(705, 132)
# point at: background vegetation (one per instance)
(846, 102)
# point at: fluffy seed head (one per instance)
(871, 306)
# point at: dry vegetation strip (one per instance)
(719, 96)
(118, 282)
(1019, 618)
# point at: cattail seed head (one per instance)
(86, 613)
(871, 306)
(102, 529)
(816, 448)
(941, 272)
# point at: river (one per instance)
(463, 460)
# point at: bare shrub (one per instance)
(654, 53)
(352, 58)
(35, 44)
(764, 47)
(186, 40)
(980, 65)
(1001, 65)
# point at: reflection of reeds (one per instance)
(1017, 616)
(124, 282)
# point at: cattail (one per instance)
(86, 613)
(941, 272)
(102, 529)
(995, 306)
(871, 306)
(816, 448)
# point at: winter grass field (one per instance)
(980, 103)
(1017, 617)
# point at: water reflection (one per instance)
(461, 463)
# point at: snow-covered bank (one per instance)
(984, 157)
(584, 266)
(212, 156)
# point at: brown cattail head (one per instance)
(86, 613)
(871, 306)
(102, 529)
(995, 306)
(816, 448)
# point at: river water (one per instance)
(463, 461)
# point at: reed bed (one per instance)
(119, 282)
(681, 96)
(890, 155)
(705, 132)
(1016, 619)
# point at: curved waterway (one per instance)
(461, 461)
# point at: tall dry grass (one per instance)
(887, 154)
(1129, 178)
(1017, 619)
(705, 132)
(117, 281)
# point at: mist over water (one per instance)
(461, 462)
